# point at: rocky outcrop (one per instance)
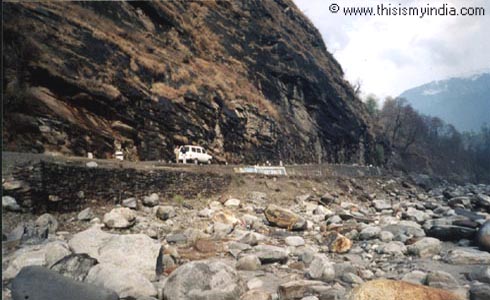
(251, 81)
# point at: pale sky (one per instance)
(390, 54)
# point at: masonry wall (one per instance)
(69, 187)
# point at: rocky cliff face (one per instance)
(250, 80)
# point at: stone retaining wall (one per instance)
(65, 186)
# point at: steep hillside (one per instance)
(462, 101)
(250, 80)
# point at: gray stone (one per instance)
(294, 241)
(483, 200)
(481, 274)
(9, 203)
(248, 263)
(120, 218)
(405, 228)
(307, 255)
(461, 201)
(425, 247)
(47, 221)
(86, 215)
(342, 268)
(130, 203)
(28, 233)
(415, 277)
(205, 279)
(370, 232)
(321, 268)
(221, 229)
(165, 212)
(380, 205)
(480, 292)
(251, 238)
(386, 236)
(151, 200)
(483, 236)
(38, 283)
(416, 215)
(393, 248)
(37, 255)
(176, 238)
(124, 281)
(352, 278)
(270, 254)
(441, 280)
(205, 213)
(75, 266)
(468, 256)
(134, 251)
(335, 219)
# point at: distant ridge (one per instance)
(462, 101)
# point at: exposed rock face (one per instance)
(147, 76)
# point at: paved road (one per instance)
(12, 159)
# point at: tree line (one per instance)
(412, 142)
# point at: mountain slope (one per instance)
(463, 102)
(250, 80)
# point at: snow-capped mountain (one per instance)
(462, 101)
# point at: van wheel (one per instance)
(196, 161)
(209, 162)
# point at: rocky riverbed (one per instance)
(264, 238)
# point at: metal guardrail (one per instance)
(261, 170)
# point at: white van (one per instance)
(194, 154)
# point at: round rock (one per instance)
(483, 237)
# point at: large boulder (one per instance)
(124, 281)
(383, 289)
(206, 279)
(38, 283)
(483, 237)
(284, 218)
(135, 251)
